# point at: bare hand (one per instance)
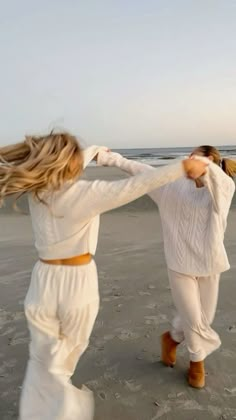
(194, 168)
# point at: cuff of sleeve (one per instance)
(108, 158)
(203, 159)
(209, 165)
(91, 152)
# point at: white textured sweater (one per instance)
(193, 219)
(68, 225)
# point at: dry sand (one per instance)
(122, 364)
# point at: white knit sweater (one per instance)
(68, 225)
(193, 219)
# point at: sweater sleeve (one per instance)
(115, 159)
(90, 153)
(220, 186)
(96, 197)
(131, 167)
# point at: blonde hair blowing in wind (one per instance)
(39, 164)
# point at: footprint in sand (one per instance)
(151, 306)
(16, 341)
(141, 293)
(101, 363)
(228, 353)
(9, 330)
(93, 384)
(155, 319)
(132, 386)
(6, 317)
(232, 329)
(6, 366)
(126, 335)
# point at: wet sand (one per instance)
(122, 364)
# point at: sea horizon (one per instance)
(157, 156)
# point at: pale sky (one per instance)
(122, 73)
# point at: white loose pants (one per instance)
(61, 307)
(195, 299)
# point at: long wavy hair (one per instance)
(38, 164)
(228, 165)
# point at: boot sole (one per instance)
(193, 384)
(196, 386)
(171, 365)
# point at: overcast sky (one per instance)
(125, 73)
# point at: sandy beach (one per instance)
(122, 364)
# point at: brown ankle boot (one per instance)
(168, 347)
(196, 374)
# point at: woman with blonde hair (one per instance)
(63, 299)
(194, 217)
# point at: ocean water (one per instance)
(161, 156)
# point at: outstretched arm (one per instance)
(100, 196)
(131, 167)
(127, 165)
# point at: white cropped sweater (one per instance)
(68, 225)
(193, 219)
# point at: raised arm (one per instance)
(97, 197)
(115, 159)
(131, 167)
(221, 188)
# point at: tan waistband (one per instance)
(77, 260)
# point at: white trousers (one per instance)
(195, 299)
(61, 307)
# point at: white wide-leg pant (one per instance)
(195, 299)
(61, 307)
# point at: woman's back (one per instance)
(62, 226)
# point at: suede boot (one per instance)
(196, 374)
(168, 349)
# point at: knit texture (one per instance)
(68, 225)
(193, 219)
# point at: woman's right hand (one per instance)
(194, 168)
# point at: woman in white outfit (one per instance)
(63, 299)
(194, 216)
